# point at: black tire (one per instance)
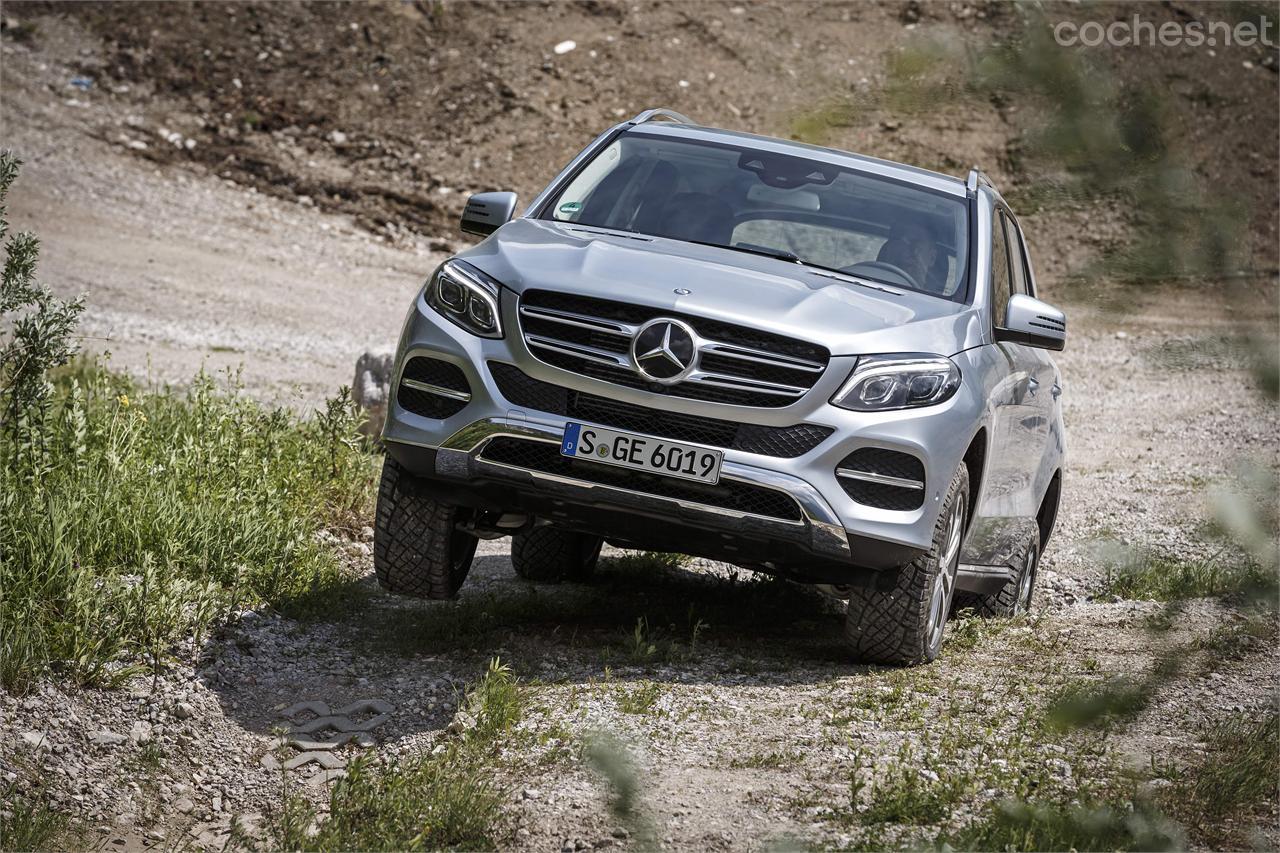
(1014, 598)
(548, 554)
(417, 547)
(904, 624)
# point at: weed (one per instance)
(1012, 825)
(766, 761)
(1252, 631)
(647, 645)
(496, 703)
(907, 794)
(1139, 575)
(641, 698)
(28, 822)
(428, 803)
(1237, 774)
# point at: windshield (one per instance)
(788, 207)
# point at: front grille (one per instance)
(727, 494)
(433, 388)
(785, 442)
(878, 462)
(736, 364)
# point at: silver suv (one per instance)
(805, 362)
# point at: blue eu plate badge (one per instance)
(569, 445)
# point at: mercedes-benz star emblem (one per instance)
(664, 351)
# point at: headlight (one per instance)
(901, 381)
(467, 297)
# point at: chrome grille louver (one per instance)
(736, 365)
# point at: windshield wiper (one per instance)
(819, 269)
(752, 249)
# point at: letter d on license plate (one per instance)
(641, 453)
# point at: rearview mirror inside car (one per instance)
(487, 212)
(1034, 323)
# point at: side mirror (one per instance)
(1034, 323)
(487, 212)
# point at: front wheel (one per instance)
(418, 549)
(904, 624)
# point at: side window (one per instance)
(1016, 266)
(1000, 284)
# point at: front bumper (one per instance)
(829, 527)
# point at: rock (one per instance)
(532, 793)
(107, 738)
(366, 533)
(620, 832)
(184, 805)
(461, 723)
(141, 732)
(564, 47)
(337, 137)
(371, 388)
(184, 711)
(33, 740)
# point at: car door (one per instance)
(1042, 377)
(1029, 386)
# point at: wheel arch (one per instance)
(975, 459)
(1047, 514)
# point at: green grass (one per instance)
(427, 803)
(765, 761)
(138, 516)
(1052, 825)
(907, 796)
(496, 703)
(27, 820)
(446, 800)
(1239, 773)
(641, 698)
(1143, 575)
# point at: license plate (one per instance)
(641, 453)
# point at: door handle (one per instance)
(1056, 390)
(1033, 385)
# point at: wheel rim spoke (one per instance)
(948, 564)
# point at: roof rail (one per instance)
(660, 113)
(976, 177)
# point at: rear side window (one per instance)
(1000, 283)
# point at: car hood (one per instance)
(733, 287)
